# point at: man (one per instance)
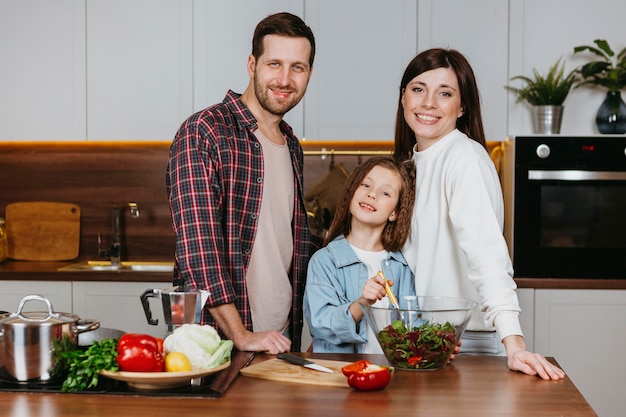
(234, 181)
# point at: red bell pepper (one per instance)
(140, 353)
(366, 376)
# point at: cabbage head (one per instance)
(201, 344)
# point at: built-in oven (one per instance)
(569, 207)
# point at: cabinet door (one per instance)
(117, 305)
(222, 42)
(534, 43)
(584, 331)
(362, 50)
(42, 76)
(58, 292)
(139, 68)
(479, 30)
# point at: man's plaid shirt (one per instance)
(214, 183)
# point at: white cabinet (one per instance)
(222, 42)
(58, 292)
(139, 68)
(42, 76)
(479, 30)
(120, 70)
(362, 50)
(117, 305)
(542, 31)
(584, 331)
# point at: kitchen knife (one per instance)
(297, 360)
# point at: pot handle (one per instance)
(32, 297)
(86, 325)
(146, 305)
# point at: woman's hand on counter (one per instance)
(520, 359)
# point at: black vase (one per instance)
(611, 116)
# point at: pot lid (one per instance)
(37, 318)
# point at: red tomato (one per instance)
(366, 376)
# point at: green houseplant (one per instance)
(609, 71)
(546, 95)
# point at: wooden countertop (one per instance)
(43, 271)
(470, 386)
(48, 271)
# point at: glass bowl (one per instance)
(422, 333)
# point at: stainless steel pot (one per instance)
(29, 341)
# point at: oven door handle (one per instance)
(576, 175)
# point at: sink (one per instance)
(124, 266)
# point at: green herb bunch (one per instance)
(549, 90)
(84, 366)
(608, 72)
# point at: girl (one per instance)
(456, 247)
(371, 224)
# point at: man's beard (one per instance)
(270, 104)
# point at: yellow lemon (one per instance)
(177, 362)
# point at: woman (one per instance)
(456, 247)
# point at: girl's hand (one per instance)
(373, 290)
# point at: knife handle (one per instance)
(296, 360)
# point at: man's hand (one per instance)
(271, 342)
(229, 321)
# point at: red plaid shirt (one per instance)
(215, 183)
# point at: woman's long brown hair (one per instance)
(470, 123)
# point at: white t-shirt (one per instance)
(456, 247)
(373, 261)
(267, 278)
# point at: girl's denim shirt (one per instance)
(335, 279)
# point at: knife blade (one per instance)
(298, 360)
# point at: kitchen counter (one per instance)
(24, 270)
(470, 386)
(48, 271)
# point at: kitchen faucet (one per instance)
(115, 251)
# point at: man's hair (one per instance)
(283, 24)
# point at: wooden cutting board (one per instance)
(43, 231)
(279, 370)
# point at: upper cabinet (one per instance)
(42, 76)
(478, 29)
(362, 50)
(139, 68)
(222, 42)
(120, 70)
(543, 31)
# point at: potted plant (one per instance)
(546, 95)
(608, 72)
